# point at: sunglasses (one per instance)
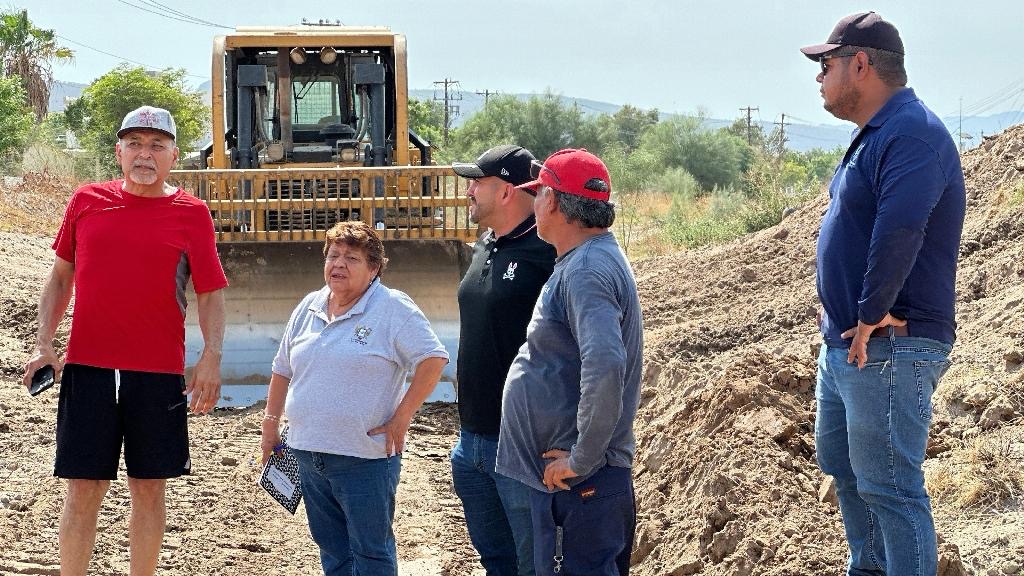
(825, 66)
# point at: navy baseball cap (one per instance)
(864, 29)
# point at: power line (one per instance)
(188, 20)
(451, 93)
(998, 97)
(170, 10)
(94, 49)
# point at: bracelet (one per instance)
(271, 417)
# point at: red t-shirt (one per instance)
(133, 257)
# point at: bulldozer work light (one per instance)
(328, 55)
(298, 55)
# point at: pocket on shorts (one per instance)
(927, 374)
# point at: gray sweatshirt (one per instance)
(575, 384)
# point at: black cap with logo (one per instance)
(509, 162)
(864, 29)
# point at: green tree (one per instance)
(426, 119)
(15, 121)
(96, 116)
(630, 124)
(635, 171)
(541, 124)
(756, 137)
(821, 164)
(715, 158)
(28, 53)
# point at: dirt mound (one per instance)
(726, 477)
(33, 204)
(723, 453)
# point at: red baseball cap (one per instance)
(572, 171)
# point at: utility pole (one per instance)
(782, 132)
(487, 95)
(748, 109)
(451, 93)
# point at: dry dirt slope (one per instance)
(725, 472)
(726, 477)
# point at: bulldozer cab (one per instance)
(311, 96)
(310, 128)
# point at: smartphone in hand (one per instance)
(41, 380)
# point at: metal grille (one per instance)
(315, 188)
(302, 204)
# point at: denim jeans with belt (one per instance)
(871, 432)
(497, 507)
(350, 504)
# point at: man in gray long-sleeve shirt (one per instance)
(573, 390)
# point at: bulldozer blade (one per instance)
(267, 281)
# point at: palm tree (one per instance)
(28, 52)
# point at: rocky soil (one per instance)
(725, 474)
(726, 477)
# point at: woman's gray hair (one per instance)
(888, 65)
(591, 213)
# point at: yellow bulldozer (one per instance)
(310, 128)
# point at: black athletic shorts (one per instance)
(101, 408)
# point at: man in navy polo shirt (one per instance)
(886, 271)
(496, 298)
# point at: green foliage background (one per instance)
(720, 184)
(16, 121)
(96, 116)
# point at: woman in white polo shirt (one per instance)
(339, 376)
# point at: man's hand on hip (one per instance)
(861, 334)
(556, 471)
(205, 383)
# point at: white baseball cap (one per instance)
(149, 118)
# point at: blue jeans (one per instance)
(350, 504)
(497, 508)
(588, 530)
(871, 432)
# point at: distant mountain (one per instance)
(799, 137)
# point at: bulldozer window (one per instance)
(315, 99)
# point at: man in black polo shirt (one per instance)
(496, 299)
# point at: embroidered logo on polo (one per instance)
(361, 334)
(853, 157)
(510, 274)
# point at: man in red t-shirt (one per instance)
(126, 249)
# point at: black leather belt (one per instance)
(883, 332)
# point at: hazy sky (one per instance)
(677, 56)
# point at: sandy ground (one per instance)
(725, 473)
(219, 521)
